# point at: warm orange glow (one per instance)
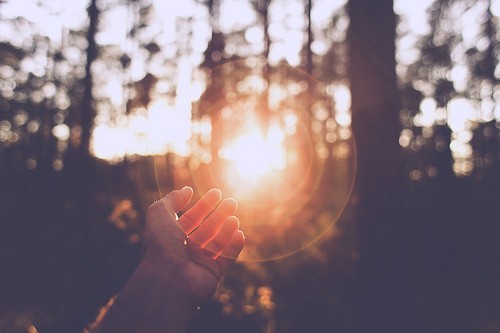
(160, 128)
(254, 155)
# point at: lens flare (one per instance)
(275, 144)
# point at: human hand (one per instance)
(194, 250)
(184, 259)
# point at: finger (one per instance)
(196, 214)
(217, 245)
(213, 224)
(178, 199)
(161, 227)
(232, 250)
(171, 203)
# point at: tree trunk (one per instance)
(309, 40)
(384, 300)
(88, 112)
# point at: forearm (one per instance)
(150, 302)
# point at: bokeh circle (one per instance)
(268, 137)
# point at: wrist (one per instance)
(164, 278)
(150, 301)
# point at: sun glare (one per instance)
(153, 131)
(253, 154)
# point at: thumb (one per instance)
(160, 218)
(178, 199)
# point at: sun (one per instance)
(253, 154)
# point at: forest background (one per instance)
(374, 206)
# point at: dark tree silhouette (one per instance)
(383, 299)
(428, 241)
(426, 249)
(88, 110)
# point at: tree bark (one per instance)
(384, 299)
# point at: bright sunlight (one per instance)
(253, 155)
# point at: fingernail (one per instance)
(242, 233)
(217, 191)
(186, 191)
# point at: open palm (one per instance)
(196, 248)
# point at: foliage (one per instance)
(450, 95)
(88, 217)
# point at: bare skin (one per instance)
(183, 262)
